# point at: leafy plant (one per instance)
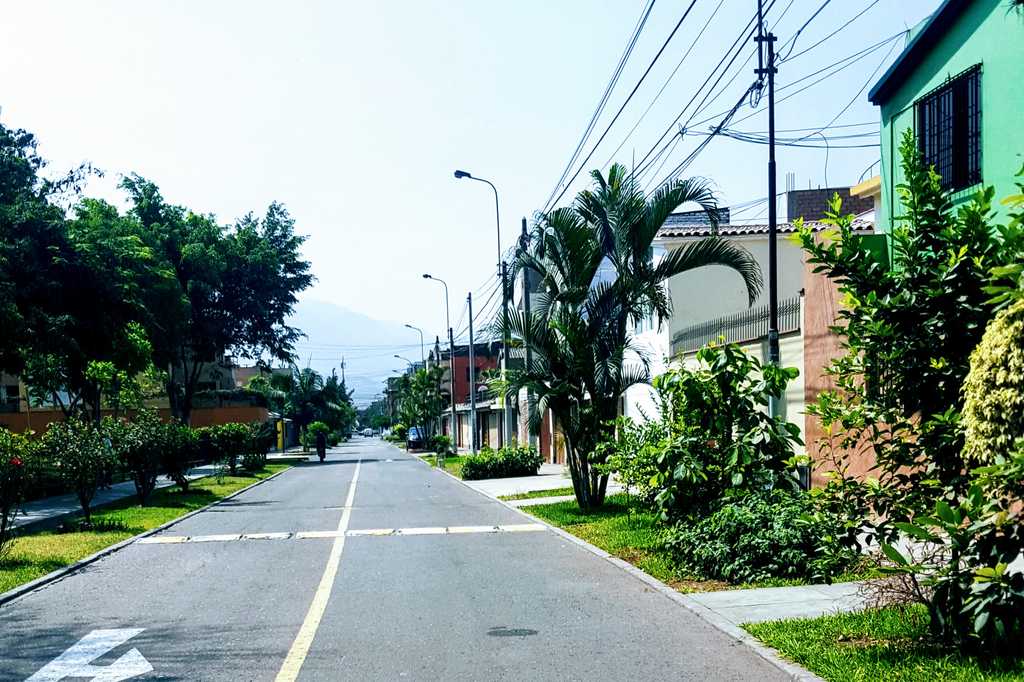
(180, 449)
(309, 439)
(632, 455)
(596, 280)
(507, 462)
(908, 331)
(17, 460)
(758, 536)
(719, 440)
(78, 452)
(139, 446)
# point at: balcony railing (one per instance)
(749, 325)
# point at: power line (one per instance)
(664, 85)
(792, 41)
(604, 97)
(615, 118)
(830, 35)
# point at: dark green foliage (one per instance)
(508, 462)
(419, 401)
(579, 332)
(180, 451)
(909, 331)
(759, 536)
(17, 466)
(139, 447)
(719, 440)
(80, 454)
(226, 443)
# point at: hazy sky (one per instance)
(355, 114)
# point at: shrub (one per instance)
(138, 445)
(261, 439)
(78, 453)
(399, 432)
(507, 462)
(760, 536)
(180, 448)
(633, 456)
(994, 390)
(442, 445)
(226, 443)
(17, 457)
(718, 439)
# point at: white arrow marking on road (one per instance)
(77, 660)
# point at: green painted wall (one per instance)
(987, 33)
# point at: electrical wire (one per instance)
(615, 118)
(854, 18)
(604, 97)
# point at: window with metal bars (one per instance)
(949, 129)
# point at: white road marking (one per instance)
(302, 535)
(76, 661)
(333, 534)
(266, 536)
(289, 671)
(215, 538)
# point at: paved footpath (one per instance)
(369, 566)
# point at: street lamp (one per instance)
(423, 358)
(451, 352)
(411, 363)
(460, 174)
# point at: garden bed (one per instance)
(535, 494)
(33, 555)
(889, 644)
(624, 528)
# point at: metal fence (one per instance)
(749, 325)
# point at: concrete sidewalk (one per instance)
(778, 603)
(51, 508)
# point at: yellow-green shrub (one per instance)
(994, 391)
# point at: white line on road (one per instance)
(332, 534)
(289, 671)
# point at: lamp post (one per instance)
(411, 363)
(451, 354)
(423, 358)
(460, 174)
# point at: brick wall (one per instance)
(810, 204)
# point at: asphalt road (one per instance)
(438, 606)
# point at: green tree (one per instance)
(597, 279)
(231, 292)
(420, 400)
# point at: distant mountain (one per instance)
(367, 345)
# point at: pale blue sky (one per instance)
(355, 114)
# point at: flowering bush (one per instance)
(16, 459)
(79, 453)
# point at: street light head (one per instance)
(426, 276)
(409, 326)
(459, 174)
(398, 356)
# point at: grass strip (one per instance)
(534, 494)
(889, 644)
(33, 555)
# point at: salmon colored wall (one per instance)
(39, 420)
(821, 346)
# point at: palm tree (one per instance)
(596, 278)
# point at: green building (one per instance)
(959, 85)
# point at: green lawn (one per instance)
(534, 494)
(886, 644)
(36, 554)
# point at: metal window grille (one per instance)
(949, 129)
(749, 325)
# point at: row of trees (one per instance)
(420, 402)
(100, 307)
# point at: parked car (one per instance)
(368, 432)
(415, 439)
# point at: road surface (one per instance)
(401, 576)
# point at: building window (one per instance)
(949, 129)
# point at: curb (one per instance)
(33, 585)
(735, 632)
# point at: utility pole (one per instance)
(472, 379)
(507, 411)
(524, 241)
(773, 229)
